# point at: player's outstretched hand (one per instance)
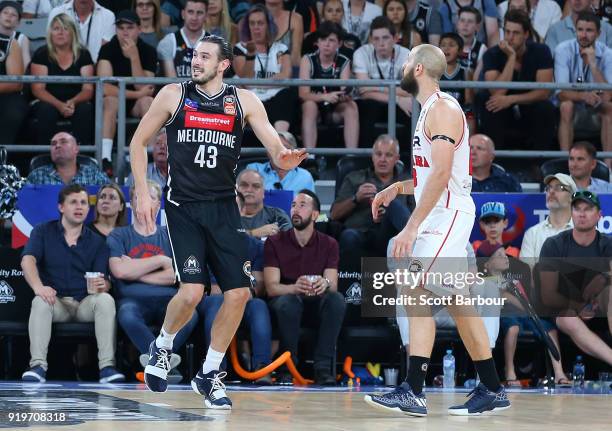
(144, 210)
(384, 198)
(289, 159)
(403, 243)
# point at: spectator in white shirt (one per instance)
(543, 13)
(358, 16)
(39, 8)
(559, 190)
(96, 24)
(382, 58)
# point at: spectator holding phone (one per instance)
(330, 104)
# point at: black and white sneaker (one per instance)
(156, 371)
(401, 400)
(212, 388)
(482, 402)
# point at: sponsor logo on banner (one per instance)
(6, 293)
(192, 266)
(199, 120)
(229, 105)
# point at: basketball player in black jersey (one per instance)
(204, 119)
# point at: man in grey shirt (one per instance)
(566, 28)
(258, 220)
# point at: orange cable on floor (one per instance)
(285, 358)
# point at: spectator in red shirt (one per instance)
(301, 278)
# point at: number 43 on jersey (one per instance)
(206, 155)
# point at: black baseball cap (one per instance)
(12, 4)
(586, 196)
(127, 16)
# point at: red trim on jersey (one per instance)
(447, 197)
(462, 132)
(443, 242)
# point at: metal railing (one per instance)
(391, 107)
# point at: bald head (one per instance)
(482, 151)
(484, 140)
(431, 58)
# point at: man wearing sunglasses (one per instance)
(575, 281)
(559, 189)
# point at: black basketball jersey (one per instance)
(470, 60)
(183, 55)
(421, 20)
(204, 139)
(333, 72)
(459, 74)
(5, 49)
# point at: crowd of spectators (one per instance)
(294, 264)
(513, 41)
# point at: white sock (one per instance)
(107, 148)
(165, 340)
(213, 360)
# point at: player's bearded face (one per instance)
(201, 76)
(409, 83)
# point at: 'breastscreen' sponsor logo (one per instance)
(222, 123)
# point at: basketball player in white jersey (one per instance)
(435, 237)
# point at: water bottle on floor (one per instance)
(578, 373)
(448, 363)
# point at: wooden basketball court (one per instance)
(130, 407)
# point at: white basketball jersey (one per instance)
(456, 195)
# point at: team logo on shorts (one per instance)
(246, 268)
(192, 266)
(229, 105)
(415, 266)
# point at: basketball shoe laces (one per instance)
(479, 392)
(163, 360)
(217, 385)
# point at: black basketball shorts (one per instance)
(207, 234)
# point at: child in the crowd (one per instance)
(494, 263)
(451, 45)
(10, 18)
(493, 222)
